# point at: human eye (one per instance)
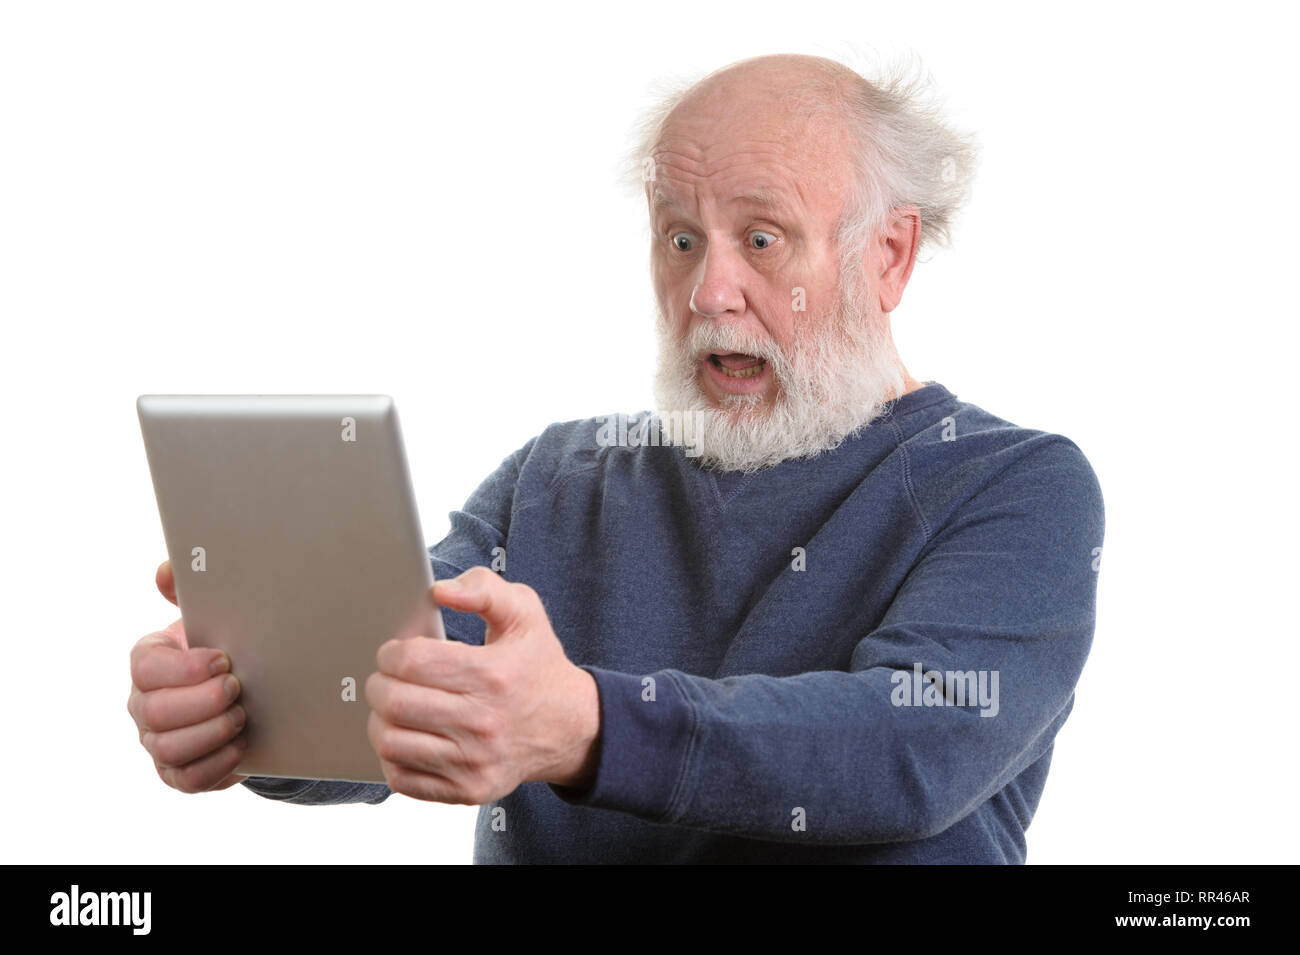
(682, 241)
(758, 239)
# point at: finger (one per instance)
(417, 707)
(158, 660)
(445, 664)
(204, 774)
(165, 580)
(501, 604)
(422, 752)
(419, 785)
(234, 779)
(184, 745)
(171, 708)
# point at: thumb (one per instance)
(165, 581)
(504, 607)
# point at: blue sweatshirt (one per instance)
(859, 657)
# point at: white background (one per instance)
(420, 200)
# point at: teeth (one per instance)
(749, 372)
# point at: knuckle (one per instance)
(488, 725)
(140, 659)
(494, 680)
(166, 749)
(147, 712)
(477, 578)
(463, 759)
(393, 776)
(187, 779)
(173, 776)
(194, 667)
(527, 593)
(399, 706)
(415, 654)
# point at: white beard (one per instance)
(837, 379)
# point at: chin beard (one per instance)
(836, 380)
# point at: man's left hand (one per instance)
(458, 723)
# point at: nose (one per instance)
(718, 290)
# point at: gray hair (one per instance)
(903, 150)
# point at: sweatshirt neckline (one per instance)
(725, 485)
(929, 393)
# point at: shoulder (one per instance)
(567, 448)
(963, 455)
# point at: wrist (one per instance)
(580, 751)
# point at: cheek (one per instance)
(671, 288)
(781, 315)
(673, 304)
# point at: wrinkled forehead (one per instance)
(772, 158)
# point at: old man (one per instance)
(841, 621)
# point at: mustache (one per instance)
(708, 338)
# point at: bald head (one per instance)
(812, 78)
(784, 108)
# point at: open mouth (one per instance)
(736, 365)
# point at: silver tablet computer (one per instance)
(293, 535)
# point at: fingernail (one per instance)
(452, 585)
(237, 716)
(220, 665)
(231, 687)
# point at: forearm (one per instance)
(817, 758)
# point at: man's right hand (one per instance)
(183, 703)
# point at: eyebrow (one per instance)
(767, 198)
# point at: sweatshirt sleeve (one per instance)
(476, 529)
(317, 792)
(1000, 606)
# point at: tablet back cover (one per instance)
(296, 546)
